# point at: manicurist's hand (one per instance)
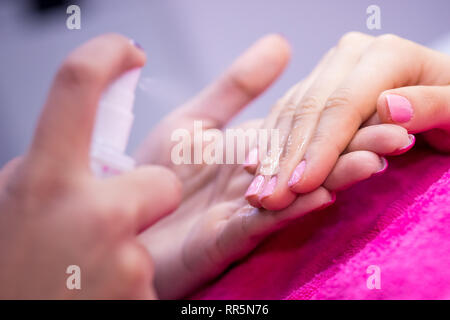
(55, 214)
(214, 225)
(319, 116)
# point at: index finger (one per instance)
(63, 133)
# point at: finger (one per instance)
(382, 139)
(353, 167)
(307, 115)
(418, 109)
(250, 225)
(280, 119)
(147, 194)
(257, 150)
(251, 73)
(134, 271)
(354, 101)
(268, 221)
(7, 170)
(247, 77)
(63, 134)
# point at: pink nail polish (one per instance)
(252, 158)
(412, 140)
(269, 188)
(255, 187)
(297, 174)
(384, 167)
(399, 107)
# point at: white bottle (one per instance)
(113, 126)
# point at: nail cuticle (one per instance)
(406, 148)
(383, 168)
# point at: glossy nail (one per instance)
(252, 158)
(297, 174)
(136, 44)
(269, 188)
(399, 107)
(255, 187)
(384, 166)
(412, 140)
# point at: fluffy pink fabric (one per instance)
(399, 221)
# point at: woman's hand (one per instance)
(419, 109)
(214, 226)
(318, 117)
(55, 214)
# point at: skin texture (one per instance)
(341, 95)
(50, 218)
(214, 226)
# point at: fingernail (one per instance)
(399, 107)
(384, 166)
(252, 158)
(297, 174)
(269, 188)
(329, 203)
(412, 140)
(136, 44)
(255, 187)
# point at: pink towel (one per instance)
(398, 222)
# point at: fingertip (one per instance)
(406, 147)
(279, 43)
(383, 167)
(261, 64)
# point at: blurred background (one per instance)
(188, 44)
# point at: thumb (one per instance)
(419, 109)
(148, 193)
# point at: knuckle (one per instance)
(350, 38)
(386, 41)
(339, 99)
(135, 266)
(310, 104)
(242, 84)
(77, 71)
(109, 219)
(321, 138)
(277, 107)
(169, 175)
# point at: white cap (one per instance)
(115, 113)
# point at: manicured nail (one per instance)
(399, 107)
(384, 166)
(252, 158)
(255, 187)
(269, 188)
(297, 174)
(136, 44)
(412, 141)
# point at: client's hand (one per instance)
(214, 226)
(319, 117)
(55, 214)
